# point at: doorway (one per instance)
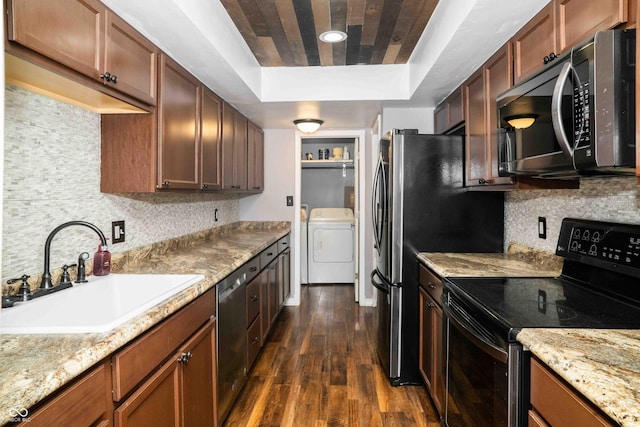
(328, 178)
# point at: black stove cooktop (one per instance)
(516, 303)
(599, 286)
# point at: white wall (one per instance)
(280, 156)
(279, 170)
(408, 118)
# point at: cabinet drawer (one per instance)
(253, 300)
(268, 255)
(535, 420)
(558, 404)
(431, 283)
(253, 268)
(86, 402)
(283, 243)
(132, 364)
(253, 342)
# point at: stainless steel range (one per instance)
(487, 369)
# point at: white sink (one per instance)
(97, 306)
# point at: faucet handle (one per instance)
(24, 291)
(66, 277)
(82, 270)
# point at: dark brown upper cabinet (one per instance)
(450, 113)
(234, 149)
(255, 158)
(561, 25)
(178, 127)
(88, 38)
(211, 137)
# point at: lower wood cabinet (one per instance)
(431, 362)
(284, 277)
(556, 404)
(254, 320)
(156, 402)
(181, 391)
(85, 402)
(197, 359)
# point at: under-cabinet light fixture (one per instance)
(521, 121)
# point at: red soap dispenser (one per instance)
(102, 261)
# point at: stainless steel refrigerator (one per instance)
(420, 204)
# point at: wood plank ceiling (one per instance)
(285, 32)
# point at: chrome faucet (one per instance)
(46, 276)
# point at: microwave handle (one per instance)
(556, 110)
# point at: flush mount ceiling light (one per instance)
(333, 36)
(522, 121)
(308, 125)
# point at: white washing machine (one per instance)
(304, 217)
(331, 246)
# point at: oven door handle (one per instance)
(468, 331)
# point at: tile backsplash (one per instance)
(603, 199)
(52, 175)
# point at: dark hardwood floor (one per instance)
(319, 368)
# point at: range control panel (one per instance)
(617, 244)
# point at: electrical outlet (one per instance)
(215, 215)
(117, 231)
(289, 200)
(542, 227)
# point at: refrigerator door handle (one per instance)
(374, 212)
(376, 197)
(380, 285)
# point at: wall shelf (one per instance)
(326, 164)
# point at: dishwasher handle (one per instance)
(230, 285)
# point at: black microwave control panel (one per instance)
(607, 245)
(582, 124)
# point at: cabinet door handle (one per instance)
(253, 269)
(109, 78)
(255, 340)
(254, 298)
(431, 286)
(185, 357)
(430, 305)
(166, 184)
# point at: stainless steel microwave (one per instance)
(577, 116)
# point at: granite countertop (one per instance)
(488, 265)
(34, 366)
(603, 365)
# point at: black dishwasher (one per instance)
(232, 338)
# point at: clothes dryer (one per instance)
(331, 246)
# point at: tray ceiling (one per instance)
(285, 32)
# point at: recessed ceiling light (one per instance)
(333, 36)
